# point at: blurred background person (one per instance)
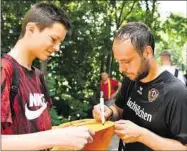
(110, 88)
(166, 64)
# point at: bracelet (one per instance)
(111, 114)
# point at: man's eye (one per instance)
(125, 62)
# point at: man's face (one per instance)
(130, 62)
(44, 43)
(104, 76)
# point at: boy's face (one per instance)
(43, 43)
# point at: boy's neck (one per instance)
(21, 54)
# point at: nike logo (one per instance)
(31, 114)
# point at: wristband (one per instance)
(111, 114)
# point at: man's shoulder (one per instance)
(175, 87)
(170, 84)
(174, 91)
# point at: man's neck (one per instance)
(154, 72)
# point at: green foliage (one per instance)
(174, 37)
(54, 117)
(74, 72)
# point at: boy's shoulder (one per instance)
(7, 64)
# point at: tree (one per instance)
(73, 74)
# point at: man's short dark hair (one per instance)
(45, 15)
(139, 34)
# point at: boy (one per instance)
(25, 122)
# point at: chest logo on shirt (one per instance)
(140, 90)
(35, 99)
(153, 94)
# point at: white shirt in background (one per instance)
(171, 69)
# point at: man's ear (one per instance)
(148, 52)
(30, 28)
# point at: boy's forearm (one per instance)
(34, 141)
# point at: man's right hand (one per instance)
(96, 112)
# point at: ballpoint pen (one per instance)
(102, 107)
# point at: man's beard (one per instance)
(142, 75)
(143, 70)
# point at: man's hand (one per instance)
(128, 131)
(97, 112)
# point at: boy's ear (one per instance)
(30, 28)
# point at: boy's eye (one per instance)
(53, 39)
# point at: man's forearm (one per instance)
(156, 142)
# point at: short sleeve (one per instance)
(177, 116)
(114, 82)
(6, 72)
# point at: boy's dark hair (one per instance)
(139, 34)
(45, 15)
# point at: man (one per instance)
(110, 88)
(25, 121)
(165, 57)
(152, 104)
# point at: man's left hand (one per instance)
(128, 131)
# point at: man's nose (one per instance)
(123, 68)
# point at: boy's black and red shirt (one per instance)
(31, 104)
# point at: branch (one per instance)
(127, 13)
(153, 8)
(147, 6)
(153, 11)
(123, 5)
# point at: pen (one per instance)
(102, 107)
